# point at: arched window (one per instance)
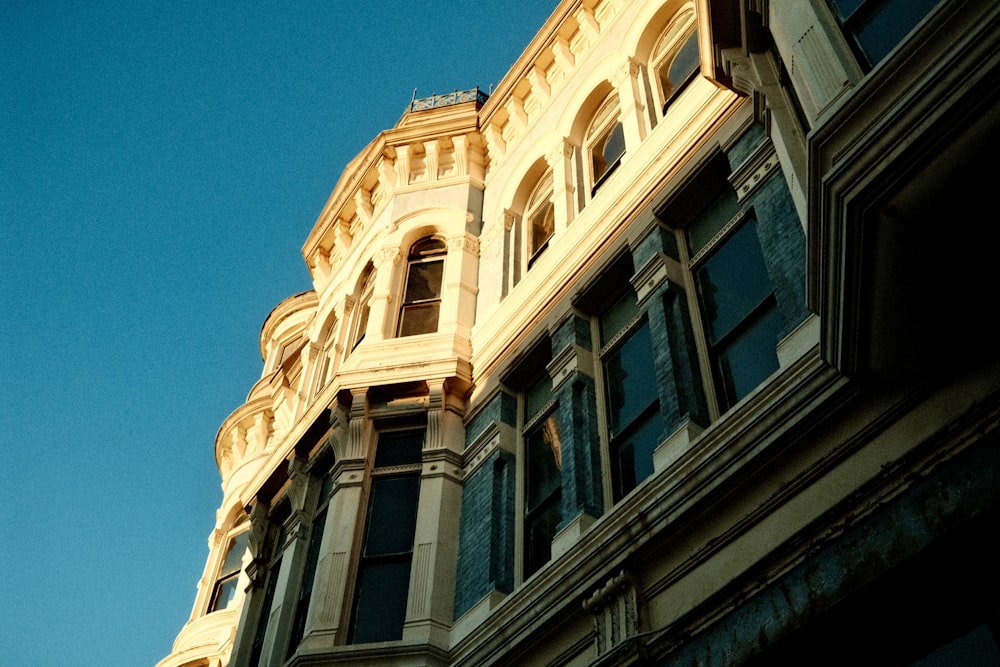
(540, 217)
(364, 304)
(224, 591)
(675, 61)
(605, 142)
(422, 294)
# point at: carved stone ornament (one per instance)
(615, 607)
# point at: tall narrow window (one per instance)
(422, 295)
(543, 474)
(676, 65)
(312, 560)
(634, 423)
(605, 142)
(387, 553)
(540, 216)
(363, 304)
(224, 592)
(276, 540)
(739, 313)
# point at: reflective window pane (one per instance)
(686, 61)
(539, 530)
(887, 26)
(393, 515)
(632, 456)
(420, 319)
(749, 358)
(544, 454)
(424, 281)
(732, 282)
(712, 219)
(381, 606)
(234, 558)
(619, 314)
(399, 448)
(630, 377)
(542, 224)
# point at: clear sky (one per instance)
(161, 163)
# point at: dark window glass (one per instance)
(631, 394)
(732, 282)
(608, 152)
(741, 320)
(879, 25)
(630, 378)
(751, 357)
(422, 296)
(633, 452)
(308, 578)
(381, 606)
(393, 515)
(384, 570)
(399, 448)
(887, 26)
(265, 613)
(680, 70)
(544, 491)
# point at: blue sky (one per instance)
(161, 164)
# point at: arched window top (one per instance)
(605, 141)
(430, 245)
(422, 292)
(365, 290)
(540, 217)
(606, 114)
(676, 59)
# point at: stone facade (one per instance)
(649, 357)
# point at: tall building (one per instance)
(676, 349)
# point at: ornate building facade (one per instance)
(652, 356)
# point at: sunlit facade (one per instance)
(673, 350)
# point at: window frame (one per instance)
(367, 561)
(605, 123)
(669, 47)
(226, 577)
(644, 417)
(535, 514)
(435, 255)
(363, 303)
(539, 204)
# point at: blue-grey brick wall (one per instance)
(500, 408)
(678, 376)
(582, 490)
(784, 245)
(780, 231)
(486, 538)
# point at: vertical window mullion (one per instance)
(698, 326)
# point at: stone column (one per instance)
(560, 160)
(632, 109)
(329, 608)
(430, 606)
